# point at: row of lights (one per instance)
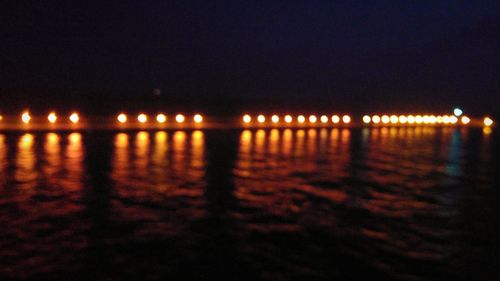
(301, 119)
(52, 117)
(312, 119)
(415, 119)
(419, 119)
(160, 118)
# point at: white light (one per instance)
(313, 119)
(288, 119)
(26, 117)
(465, 120)
(366, 119)
(247, 119)
(74, 118)
(488, 121)
(335, 119)
(376, 119)
(386, 119)
(180, 118)
(122, 118)
(142, 118)
(198, 118)
(458, 112)
(161, 118)
(346, 119)
(301, 119)
(261, 119)
(324, 119)
(52, 117)
(275, 119)
(403, 119)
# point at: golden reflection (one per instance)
(311, 142)
(345, 135)
(260, 141)
(245, 155)
(179, 152)
(487, 130)
(197, 155)
(159, 160)
(323, 137)
(26, 173)
(274, 137)
(287, 142)
(299, 142)
(3, 160)
(52, 149)
(121, 157)
(282, 185)
(246, 141)
(142, 153)
(159, 157)
(74, 161)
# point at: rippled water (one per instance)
(319, 204)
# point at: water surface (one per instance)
(312, 204)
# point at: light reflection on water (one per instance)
(266, 204)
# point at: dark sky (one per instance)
(231, 56)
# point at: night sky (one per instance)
(227, 57)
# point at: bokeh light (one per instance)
(179, 118)
(52, 117)
(142, 118)
(161, 118)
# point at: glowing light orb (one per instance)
(440, 119)
(366, 119)
(261, 119)
(488, 121)
(419, 119)
(247, 119)
(346, 119)
(323, 119)
(394, 119)
(458, 112)
(198, 118)
(411, 119)
(432, 119)
(122, 118)
(161, 118)
(465, 120)
(52, 117)
(26, 117)
(403, 119)
(1, 117)
(142, 118)
(288, 119)
(313, 119)
(74, 118)
(386, 119)
(376, 119)
(301, 119)
(335, 119)
(275, 119)
(453, 119)
(179, 118)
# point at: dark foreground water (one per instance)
(319, 204)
